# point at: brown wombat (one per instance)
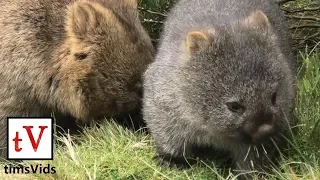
(81, 57)
(223, 77)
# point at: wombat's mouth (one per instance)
(251, 139)
(244, 138)
(254, 139)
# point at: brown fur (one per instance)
(81, 57)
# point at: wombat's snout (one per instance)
(259, 127)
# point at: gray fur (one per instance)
(185, 95)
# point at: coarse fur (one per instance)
(224, 77)
(84, 58)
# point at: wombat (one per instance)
(80, 57)
(223, 77)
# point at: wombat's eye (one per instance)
(274, 98)
(80, 56)
(235, 107)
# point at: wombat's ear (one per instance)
(257, 20)
(197, 41)
(84, 17)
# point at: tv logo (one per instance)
(30, 138)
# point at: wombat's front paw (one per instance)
(167, 160)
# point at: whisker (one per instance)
(245, 158)
(275, 145)
(256, 149)
(264, 149)
(251, 163)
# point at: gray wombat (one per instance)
(224, 76)
(80, 57)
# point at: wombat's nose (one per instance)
(263, 132)
(259, 127)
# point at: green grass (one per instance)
(111, 152)
(153, 14)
